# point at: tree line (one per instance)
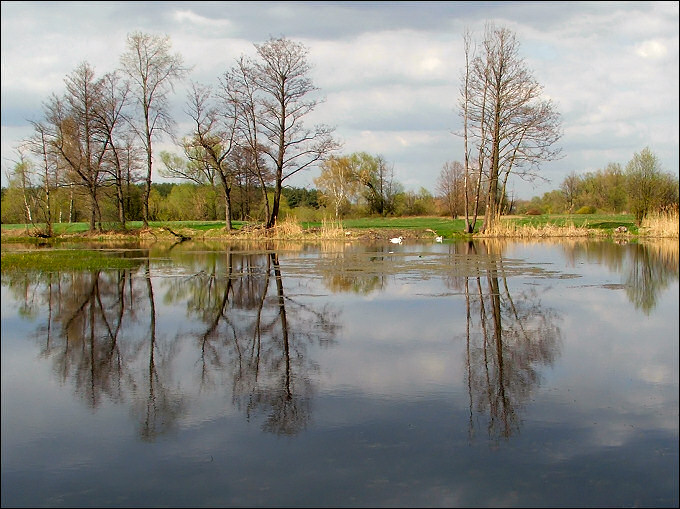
(91, 155)
(96, 140)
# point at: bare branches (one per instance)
(505, 120)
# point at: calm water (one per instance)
(519, 374)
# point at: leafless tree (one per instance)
(506, 122)
(570, 189)
(451, 186)
(284, 89)
(153, 71)
(74, 130)
(213, 139)
(239, 87)
(122, 159)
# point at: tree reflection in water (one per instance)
(252, 334)
(101, 334)
(257, 333)
(648, 268)
(509, 339)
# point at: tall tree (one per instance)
(506, 121)
(75, 132)
(214, 138)
(284, 86)
(122, 159)
(153, 71)
(239, 87)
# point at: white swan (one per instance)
(439, 238)
(397, 240)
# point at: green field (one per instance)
(599, 223)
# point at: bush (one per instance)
(533, 212)
(586, 209)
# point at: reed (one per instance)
(662, 223)
(510, 228)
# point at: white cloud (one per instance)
(390, 70)
(653, 49)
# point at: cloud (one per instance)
(188, 19)
(391, 70)
(654, 49)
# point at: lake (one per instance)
(491, 373)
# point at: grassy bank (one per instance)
(573, 225)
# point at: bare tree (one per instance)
(214, 138)
(505, 121)
(74, 131)
(239, 87)
(284, 86)
(122, 158)
(153, 71)
(570, 189)
(47, 172)
(451, 186)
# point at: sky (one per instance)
(388, 73)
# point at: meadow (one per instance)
(555, 225)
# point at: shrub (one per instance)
(586, 209)
(533, 212)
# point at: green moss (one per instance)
(68, 259)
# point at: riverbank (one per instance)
(409, 228)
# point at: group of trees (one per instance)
(97, 139)
(638, 188)
(91, 156)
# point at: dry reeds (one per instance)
(663, 223)
(504, 228)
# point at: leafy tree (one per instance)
(339, 182)
(646, 184)
(20, 188)
(377, 177)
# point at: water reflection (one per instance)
(647, 268)
(509, 339)
(217, 352)
(244, 324)
(254, 330)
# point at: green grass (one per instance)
(451, 228)
(601, 223)
(607, 222)
(67, 259)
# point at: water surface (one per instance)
(489, 373)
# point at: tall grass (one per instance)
(512, 228)
(662, 223)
